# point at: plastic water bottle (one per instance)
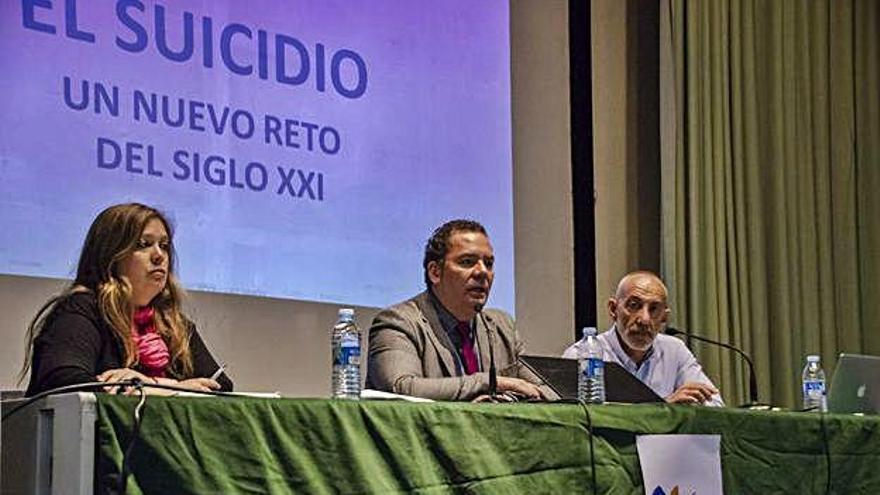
(346, 346)
(814, 385)
(591, 379)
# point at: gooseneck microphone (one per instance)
(753, 384)
(493, 374)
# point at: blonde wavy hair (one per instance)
(114, 236)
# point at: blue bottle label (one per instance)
(594, 367)
(814, 388)
(349, 352)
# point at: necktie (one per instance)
(468, 354)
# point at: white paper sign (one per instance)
(680, 464)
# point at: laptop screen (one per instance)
(561, 374)
(855, 385)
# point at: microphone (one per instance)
(753, 383)
(493, 374)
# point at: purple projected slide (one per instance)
(303, 149)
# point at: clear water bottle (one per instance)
(346, 346)
(591, 379)
(814, 385)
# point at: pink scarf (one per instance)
(152, 351)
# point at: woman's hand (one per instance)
(199, 384)
(122, 374)
(194, 384)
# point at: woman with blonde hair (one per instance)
(121, 317)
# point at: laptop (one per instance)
(560, 374)
(855, 385)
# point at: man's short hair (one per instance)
(438, 244)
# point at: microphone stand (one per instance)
(753, 384)
(493, 373)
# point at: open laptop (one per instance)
(855, 385)
(561, 375)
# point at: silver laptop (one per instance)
(855, 385)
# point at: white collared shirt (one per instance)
(668, 365)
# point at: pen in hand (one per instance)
(219, 372)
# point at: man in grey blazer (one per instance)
(437, 345)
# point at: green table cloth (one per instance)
(232, 445)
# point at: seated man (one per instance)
(636, 342)
(436, 345)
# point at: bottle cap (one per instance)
(589, 331)
(813, 358)
(346, 314)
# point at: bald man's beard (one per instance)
(638, 337)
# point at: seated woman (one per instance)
(121, 317)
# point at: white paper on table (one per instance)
(260, 395)
(680, 464)
(370, 394)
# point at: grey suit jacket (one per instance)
(410, 353)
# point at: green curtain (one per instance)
(771, 192)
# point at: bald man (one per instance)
(636, 342)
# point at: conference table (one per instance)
(231, 445)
